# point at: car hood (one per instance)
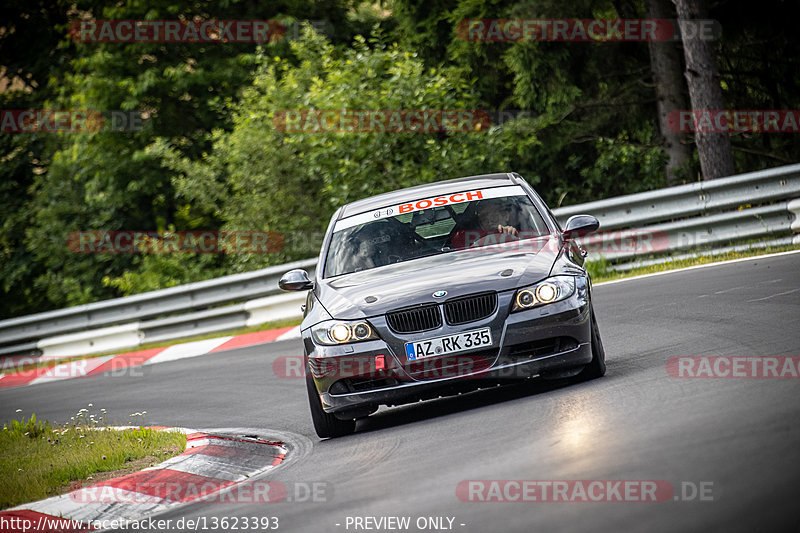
(378, 290)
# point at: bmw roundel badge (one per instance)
(439, 294)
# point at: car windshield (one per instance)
(431, 226)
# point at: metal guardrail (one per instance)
(706, 215)
(692, 233)
(635, 210)
(20, 335)
(750, 206)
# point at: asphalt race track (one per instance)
(740, 437)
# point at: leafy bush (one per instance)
(259, 177)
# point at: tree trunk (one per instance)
(714, 149)
(666, 66)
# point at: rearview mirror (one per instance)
(295, 280)
(580, 225)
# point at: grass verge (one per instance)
(39, 460)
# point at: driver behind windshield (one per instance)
(407, 237)
(494, 216)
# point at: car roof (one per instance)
(425, 191)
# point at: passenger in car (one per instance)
(370, 247)
(364, 256)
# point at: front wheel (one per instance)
(597, 367)
(325, 424)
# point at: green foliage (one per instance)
(597, 268)
(31, 427)
(625, 165)
(160, 271)
(586, 99)
(209, 156)
(259, 177)
(58, 183)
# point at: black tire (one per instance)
(325, 424)
(597, 367)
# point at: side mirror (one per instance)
(295, 280)
(580, 225)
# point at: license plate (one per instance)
(459, 342)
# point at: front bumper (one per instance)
(527, 344)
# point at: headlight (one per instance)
(548, 291)
(333, 332)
